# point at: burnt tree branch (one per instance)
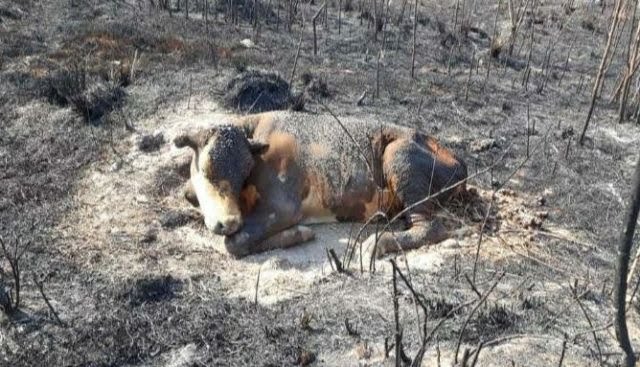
(624, 254)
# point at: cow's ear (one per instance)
(185, 140)
(257, 147)
(193, 140)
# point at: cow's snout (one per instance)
(225, 226)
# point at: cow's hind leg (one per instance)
(413, 173)
(286, 238)
(258, 236)
(421, 232)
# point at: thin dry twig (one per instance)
(396, 318)
(601, 68)
(473, 311)
(566, 62)
(631, 62)
(313, 21)
(415, 27)
(494, 36)
(516, 21)
(255, 297)
(527, 69)
(465, 357)
(339, 268)
(503, 339)
(564, 348)
(591, 330)
(586, 315)
(350, 329)
(466, 92)
(473, 287)
(295, 61)
(477, 354)
(46, 300)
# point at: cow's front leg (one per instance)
(269, 228)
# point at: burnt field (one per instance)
(116, 269)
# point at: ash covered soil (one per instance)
(92, 92)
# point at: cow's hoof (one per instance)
(306, 234)
(238, 244)
(437, 232)
(384, 245)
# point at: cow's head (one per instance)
(222, 161)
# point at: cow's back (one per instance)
(336, 174)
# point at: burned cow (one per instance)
(259, 178)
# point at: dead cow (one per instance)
(259, 178)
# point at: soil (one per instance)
(134, 277)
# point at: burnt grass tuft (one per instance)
(172, 219)
(531, 303)
(150, 290)
(492, 321)
(315, 86)
(439, 307)
(91, 97)
(168, 180)
(255, 91)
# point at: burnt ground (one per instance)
(128, 267)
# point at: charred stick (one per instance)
(566, 61)
(601, 68)
(528, 130)
(586, 315)
(477, 354)
(46, 300)
(295, 61)
(564, 348)
(255, 297)
(336, 260)
(396, 318)
(415, 27)
(465, 357)
(350, 330)
(473, 311)
(624, 253)
(466, 93)
(313, 21)
(473, 287)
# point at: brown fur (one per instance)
(383, 200)
(442, 155)
(314, 197)
(282, 150)
(249, 197)
(318, 150)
